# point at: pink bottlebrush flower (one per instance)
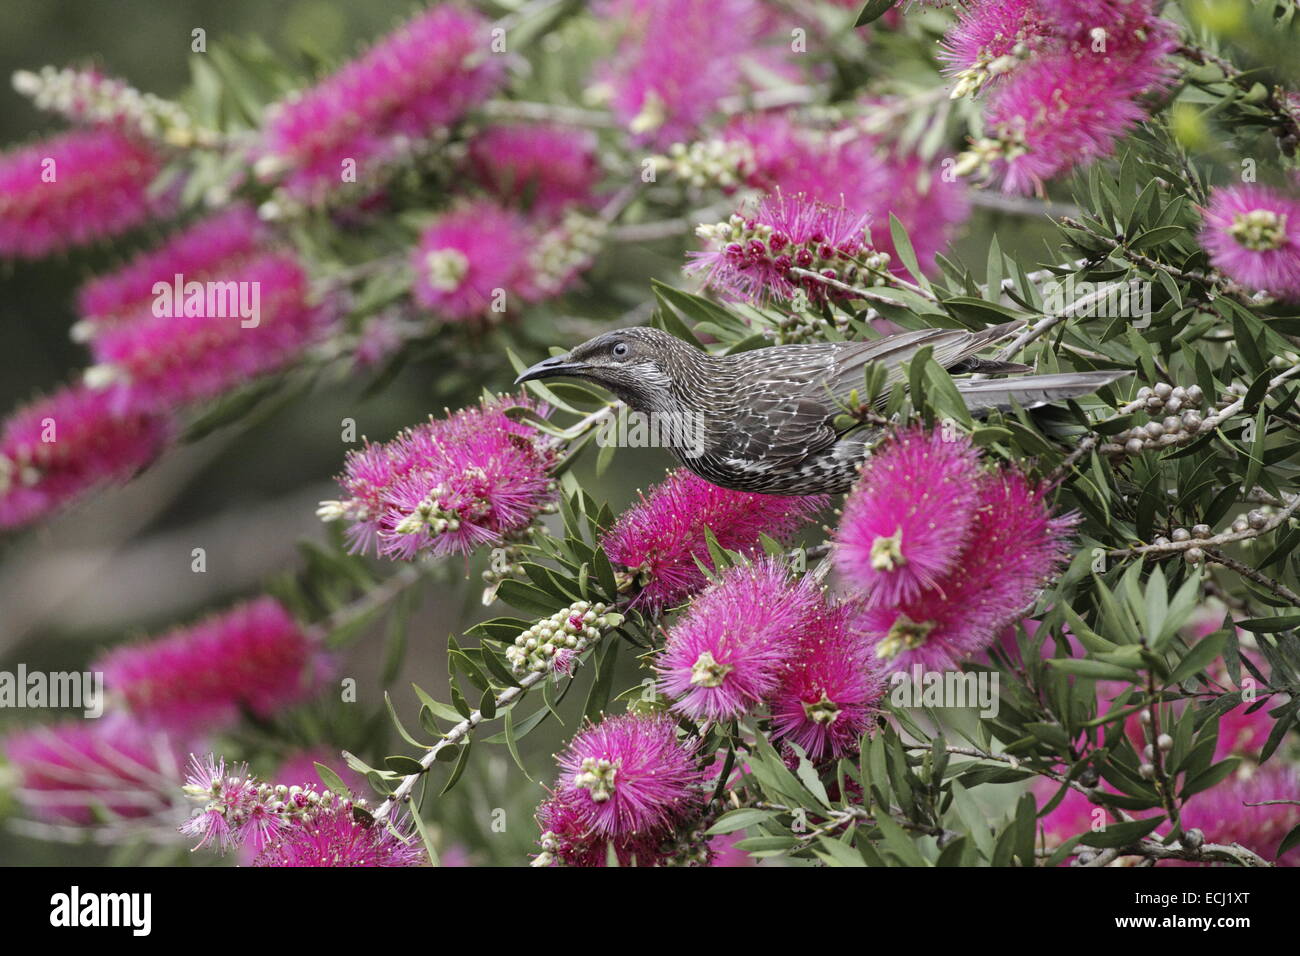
(660, 537)
(1015, 545)
(910, 515)
(380, 107)
(1079, 92)
(669, 71)
(728, 652)
(234, 805)
(853, 169)
(829, 693)
(989, 36)
(296, 770)
(469, 262)
(252, 657)
(1057, 112)
(1223, 815)
(752, 257)
(75, 188)
(343, 834)
(551, 167)
(66, 444)
(205, 338)
(1252, 234)
(84, 771)
(449, 485)
(629, 776)
(567, 840)
(200, 252)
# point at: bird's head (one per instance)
(637, 364)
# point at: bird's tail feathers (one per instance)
(1031, 391)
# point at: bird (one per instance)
(765, 420)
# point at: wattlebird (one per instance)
(765, 420)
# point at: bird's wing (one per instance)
(950, 347)
(786, 409)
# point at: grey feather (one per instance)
(1031, 391)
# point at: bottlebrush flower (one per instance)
(470, 260)
(344, 835)
(660, 537)
(1252, 234)
(450, 485)
(851, 167)
(548, 166)
(829, 693)
(88, 96)
(752, 257)
(728, 652)
(75, 188)
(62, 446)
(200, 252)
(1075, 73)
(567, 840)
(669, 72)
(989, 39)
(1015, 545)
(210, 337)
(1223, 815)
(380, 107)
(252, 657)
(629, 776)
(909, 517)
(78, 772)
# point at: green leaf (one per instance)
(1122, 834)
(873, 10)
(741, 819)
(332, 780)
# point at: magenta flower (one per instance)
(1069, 76)
(1015, 545)
(450, 485)
(204, 339)
(551, 167)
(234, 805)
(909, 517)
(829, 693)
(204, 251)
(341, 835)
(567, 840)
(851, 168)
(752, 257)
(989, 37)
(1223, 815)
(75, 188)
(381, 107)
(669, 72)
(81, 771)
(728, 652)
(660, 537)
(252, 657)
(629, 776)
(1252, 234)
(471, 261)
(66, 444)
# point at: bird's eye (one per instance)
(620, 349)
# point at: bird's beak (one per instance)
(548, 368)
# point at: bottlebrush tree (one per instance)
(1064, 635)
